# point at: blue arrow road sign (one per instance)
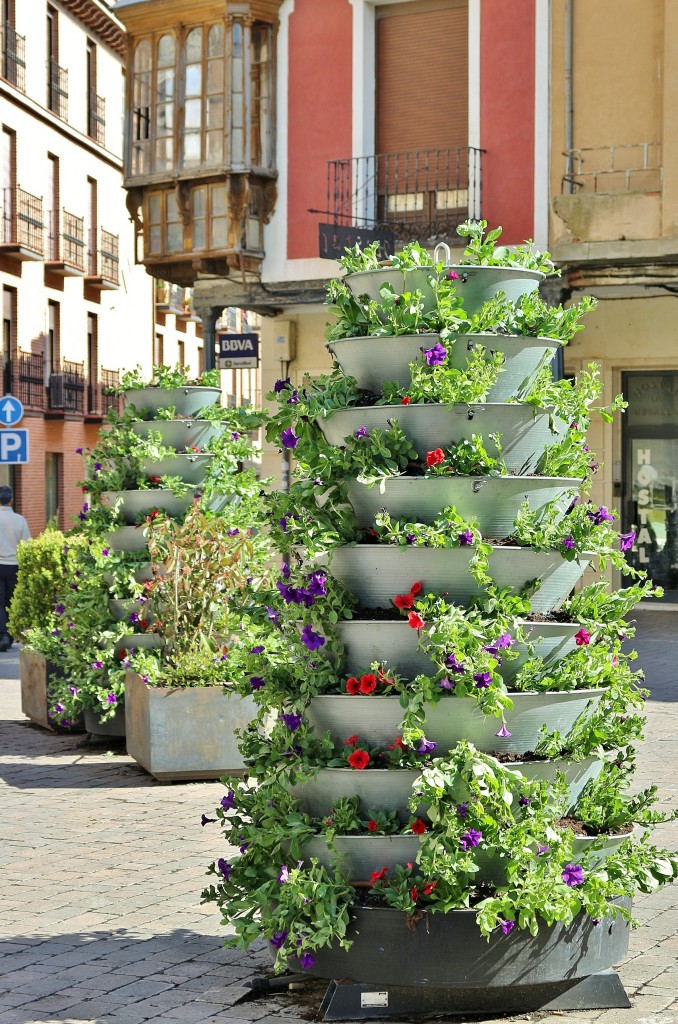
(14, 447)
(11, 411)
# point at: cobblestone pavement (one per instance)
(101, 870)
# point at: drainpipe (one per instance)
(569, 100)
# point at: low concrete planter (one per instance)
(185, 733)
(35, 672)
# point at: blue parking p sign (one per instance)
(14, 447)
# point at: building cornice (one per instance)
(100, 21)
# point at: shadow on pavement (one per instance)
(656, 642)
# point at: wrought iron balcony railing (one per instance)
(107, 267)
(73, 239)
(96, 117)
(13, 57)
(22, 220)
(98, 400)
(67, 387)
(57, 89)
(26, 373)
(420, 195)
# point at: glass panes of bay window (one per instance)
(199, 217)
(164, 111)
(237, 95)
(175, 229)
(193, 97)
(141, 107)
(214, 96)
(262, 108)
(219, 217)
(155, 222)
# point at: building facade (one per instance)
(614, 229)
(76, 309)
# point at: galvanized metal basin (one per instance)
(186, 401)
(136, 503)
(526, 433)
(127, 538)
(179, 434)
(187, 466)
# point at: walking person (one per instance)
(13, 528)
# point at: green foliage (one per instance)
(606, 806)
(481, 250)
(43, 563)
(166, 377)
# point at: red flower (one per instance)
(582, 638)
(418, 826)
(403, 601)
(372, 825)
(351, 741)
(397, 743)
(429, 887)
(193, 448)
(359, 759)
(383, 678)
(415, 620)
(435, 457)
(376, 876)
(415, 589)
(154, 479)
(406, 400)
(414, 894)
(143, 623)
(368, 683)
(352, 685)
(122, 654)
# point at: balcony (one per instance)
(96, 119)
(23, 228)
(103, 262)
(66, 249)
(14, 57)
(99, 401)
(57, 89)
(169, 298)
(610, 193)
(26, 380)
(66, 389)
(399, 197)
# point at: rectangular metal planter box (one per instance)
(187, 733)
(34, 673)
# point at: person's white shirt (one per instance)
(13, 528)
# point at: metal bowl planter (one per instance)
(113, 727)
(122, 608)
(179, 434)
(127, 538)
(376, 719)
(186, 400)
(375, 573)
(365, 358)
(447, 951)
(493, 500)
(475, 284)
(188, 466)
(136, 503)
(526, 433)
(139, 642)
(390, 790)
(396, 644)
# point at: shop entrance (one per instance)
(650, 489)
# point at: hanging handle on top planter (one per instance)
(444, 247)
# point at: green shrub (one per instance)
(43, 562)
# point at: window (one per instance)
(237, 95)
(92, 227)
(52, 339)
(96, 121)
(8, 172)
(214, 99)
(57, 78)
(262, 97)
(141, 107)
(165, 228)
(53, 242)
(210, 217)
(9, 342)
(203, 135)
(181, 350)
(93, 361)
(164, 103)
(193, 97)
(158, 350)
(53, 478)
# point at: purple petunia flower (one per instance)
(316, 587)
(233, 533)
(97, 664)
(410, 538)
(286, 571)
(435, 356)
(225, 868)
(627, 540)
(465, 538)
(291, 721)
(294, 398)
(600, 516)
(235, 435)
(503, 733)
(446, 684)
(278, 940)
(360, 432)
(570, 508)
(105, 552)
(573, 874)
(134, 618)
(74, 690)
(289, 438)
(568, 542)
(259, 649)
(284, 874)
(78, 451)
(453, 665)
(462, 810)
(501, 643)
(313, 641)
(482, 680)
(280, 385)
(306, 961)
(452, 275)
(111, 699)
(542, 849)
(59, 708)
(228, 801)
(470, 839)
(256, 682)
(273, 615)
(206, 821)
(426, 746)
(60, 609)
(524, 801)
(507, 926)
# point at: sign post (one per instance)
(238, 351)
